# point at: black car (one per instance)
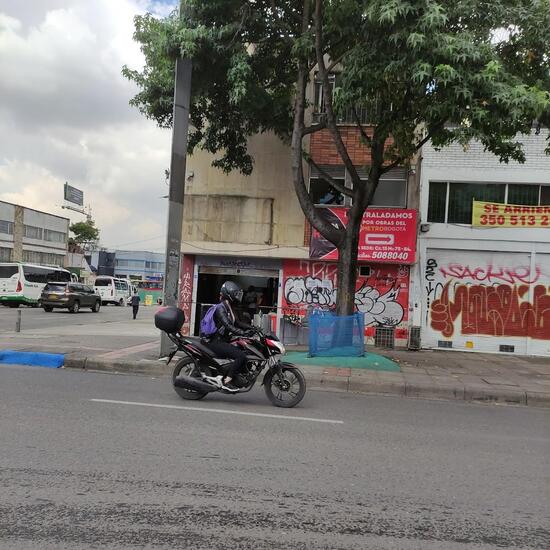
(71, 296)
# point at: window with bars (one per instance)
(451, 202)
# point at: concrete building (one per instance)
(251, 229)
(28, 235)
(484, 288)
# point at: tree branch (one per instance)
(329, 179)
(366, 137)
(326, 229)
(401, 160)
(327, 96)
(313, 128)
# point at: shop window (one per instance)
(523, 194)
(437, 201)
(545, 195)
(461, 196)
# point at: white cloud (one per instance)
(64, 116)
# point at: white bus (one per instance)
(113, 290)
(22, 283)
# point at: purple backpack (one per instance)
(208, 325)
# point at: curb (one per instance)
(365, 383)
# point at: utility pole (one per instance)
(182, 99)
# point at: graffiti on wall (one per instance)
(500, 310)
(488, 295)
(382, 296)
(186, 289)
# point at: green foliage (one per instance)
(446, 66)
(84, 232)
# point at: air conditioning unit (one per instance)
(414, 339)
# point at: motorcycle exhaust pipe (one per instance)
(190, 383)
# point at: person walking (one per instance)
(135, 303)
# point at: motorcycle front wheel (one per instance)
(287, 389)
(186, 367)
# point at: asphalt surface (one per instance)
(37, 318)
(339, 471)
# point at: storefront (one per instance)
(382, 294)
(288, 289)
(201, 278)
(487, 301)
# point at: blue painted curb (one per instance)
(32, 359)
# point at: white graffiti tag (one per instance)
(309, 290)
(382, 310)
(379, 309)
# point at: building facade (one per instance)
(484, 288)
(129, 264)
(251, 229)
(28, 235)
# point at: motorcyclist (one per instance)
(228, 326)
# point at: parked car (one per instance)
(71, 296)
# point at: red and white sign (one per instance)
(386, 235)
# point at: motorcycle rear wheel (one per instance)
(186, 367)
(287, 392)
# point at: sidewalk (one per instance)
(133, 347)
(425, 374)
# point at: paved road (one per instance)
(357, 472)
(37, 318)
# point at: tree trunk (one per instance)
(347, 265)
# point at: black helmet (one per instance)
(232, 292)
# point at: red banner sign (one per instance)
(387, 235)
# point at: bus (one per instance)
(113, 290)
(22, 283)
(150, 292)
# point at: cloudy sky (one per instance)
(64, 116)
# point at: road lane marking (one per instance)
(221, 411)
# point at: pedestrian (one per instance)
(135, 303)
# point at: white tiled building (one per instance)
(484, 289)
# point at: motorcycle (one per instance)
(200, 372)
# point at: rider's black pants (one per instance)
(223, 350)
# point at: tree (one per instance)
(84, 232)
(424, 70)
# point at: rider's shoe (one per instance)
(228, 386)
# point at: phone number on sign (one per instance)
(493, 219)
(390, 255)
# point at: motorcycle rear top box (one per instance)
(169, 319)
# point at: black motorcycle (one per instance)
(200, 372)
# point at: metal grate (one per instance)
(445, 344)
(414, 338)
(506, 348)
(384, 337)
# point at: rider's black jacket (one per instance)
(223, 317)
